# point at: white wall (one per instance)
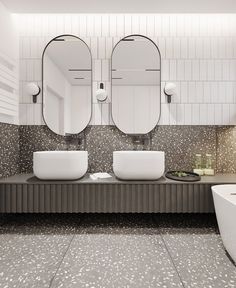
(198, 54)
(9, 81)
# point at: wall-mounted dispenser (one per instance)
(33, 90)
(101, 93)
(170, 90)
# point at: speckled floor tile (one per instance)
(113, 250)
(30, 260)
(101, 260)
(200, 258)
(32, 247)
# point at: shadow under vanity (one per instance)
(135, 106)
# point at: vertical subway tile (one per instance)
(150, 25)
(192, 47)
(109, 47)
(203, 70)
(196, 70)
(232, 112)
(210, 114)
(218, 70)
(128, 24)
(97, 25)
(203, 114)
(225, 114)
(180, 70)
(105, 25)
(218, 114)
(210, 70)
(97, 70)
(143, 24)
(176, 48)
(225, 70)
(101, 47)
(120, 29)
(173, 114)
(105, 114)
(184, 48)
(173, 70)
(184, 92)
(195, 114)
(169, 48)
(165, 70)
(187, 114)
(105, 70)
(97, 114)
(135, 24)
(188, 70)
(205, 43)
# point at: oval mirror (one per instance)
(136, 85)
(67, 85)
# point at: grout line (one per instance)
(162, 239)
(172, 260)
(63, 257)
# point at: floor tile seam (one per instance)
(160, 233)
(59, 265)
(172, 260)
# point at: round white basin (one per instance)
(60, 165)
(139, 165)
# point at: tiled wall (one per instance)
(9, 150)
(198, 54)
(101, 141)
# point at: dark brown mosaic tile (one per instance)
(9, 150)
(226, 149)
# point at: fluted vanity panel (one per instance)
(106, 198)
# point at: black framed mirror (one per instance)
(136, 84)
(67, 85)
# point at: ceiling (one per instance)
(120, 6)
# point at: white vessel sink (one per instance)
(60, 165)
(225, 206)
(138, 165)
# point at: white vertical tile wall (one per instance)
(198, 54)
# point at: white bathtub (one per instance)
(225, 206)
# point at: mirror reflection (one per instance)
(136, 81)
(67, 78)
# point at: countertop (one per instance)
(31, 179)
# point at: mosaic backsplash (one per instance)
(226, 149)
(180, 144)
(9, 150)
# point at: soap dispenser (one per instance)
(209, 167)
(198, 165)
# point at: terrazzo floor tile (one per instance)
(113, 250)
(31, 249)
(30, 260)
(116, 260)
(200, 258)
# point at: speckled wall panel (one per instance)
(40, 138)
(9, 150)
(106, 198)
(180, 144)
(226, 149)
